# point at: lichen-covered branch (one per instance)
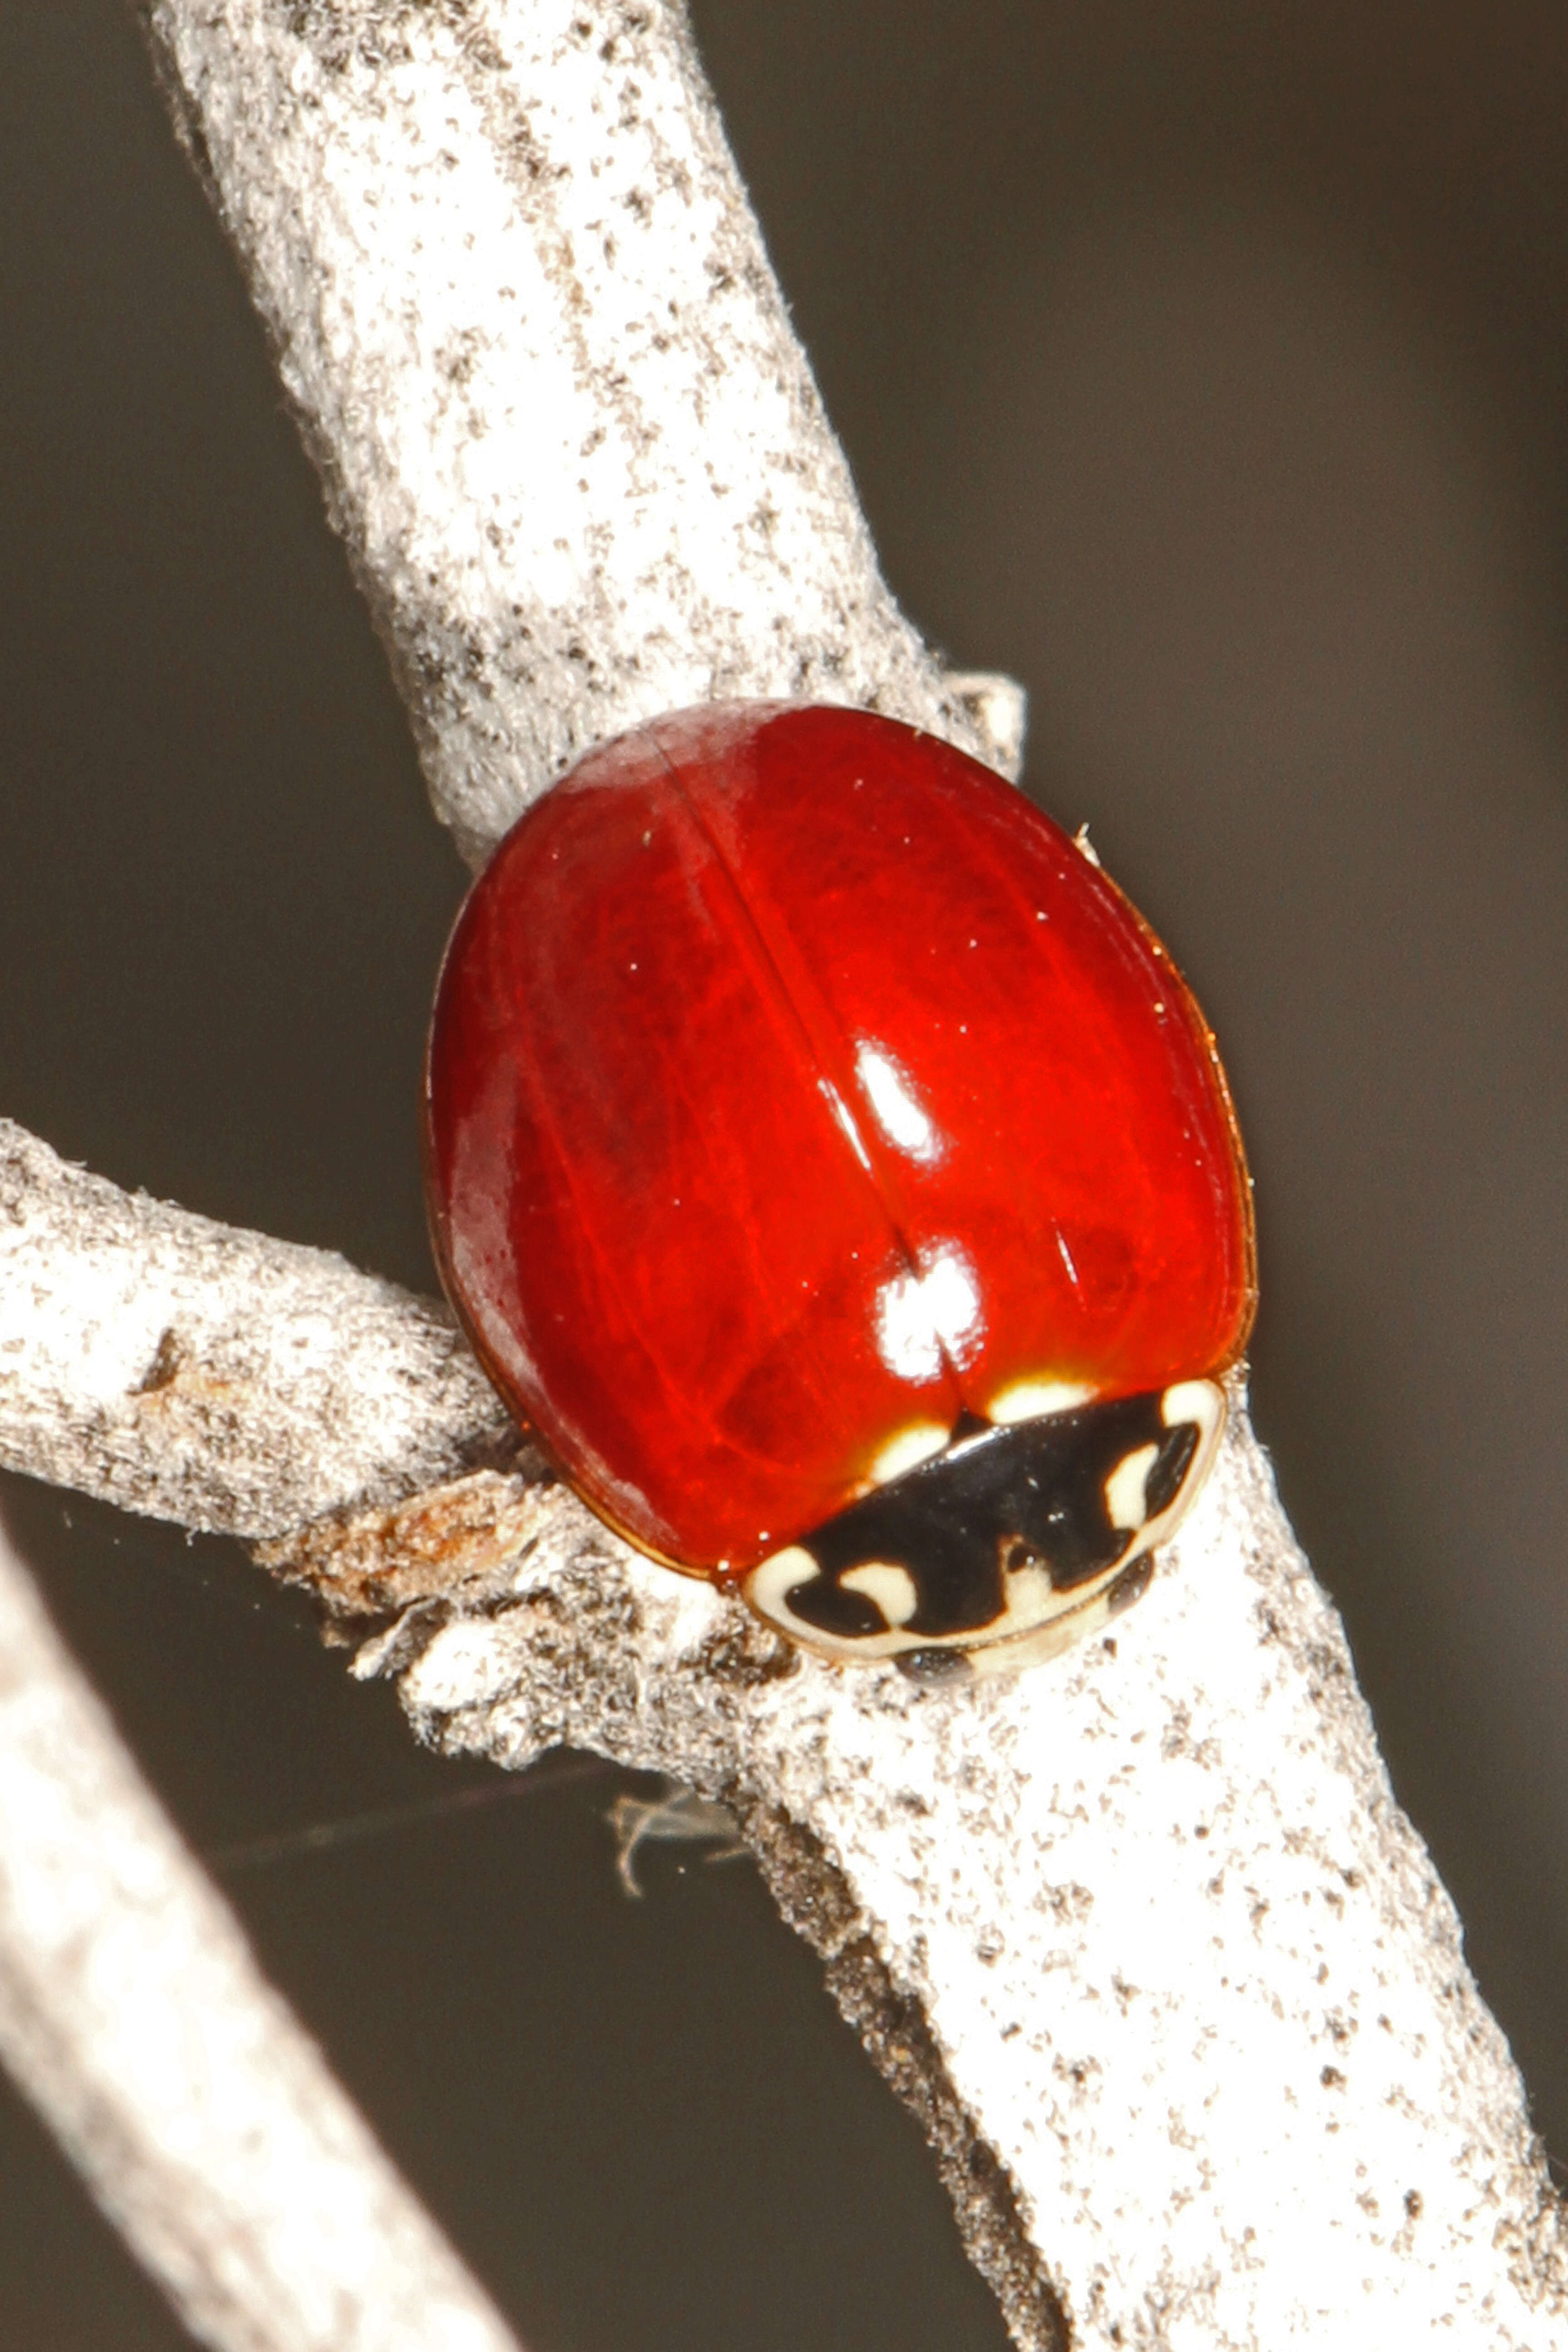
(523, 312)
(236, 1384)
(205, 2121)
(1141, 1935)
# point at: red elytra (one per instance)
(795, 1088)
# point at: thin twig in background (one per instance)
(204, 2120)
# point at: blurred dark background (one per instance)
(1205, 366)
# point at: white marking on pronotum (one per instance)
(1036, 1620)
(772, 1580)
(884, 1582)
(911, 1446)
(1033, 1400)
(925, 1315)
(1195, 1401)
(898, 1113)
(1126, 1489)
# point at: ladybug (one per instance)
(832, 1169)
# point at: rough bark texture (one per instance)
(204, 2120)
(233, 1383)
(1141, 1935)
(524, 315)
(1143, 1938)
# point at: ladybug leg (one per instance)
(1011, 1544)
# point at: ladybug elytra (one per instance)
(832, 1171)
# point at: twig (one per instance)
(523, 312)
(204, 2119)
(1142, 1937)
(238, 1384)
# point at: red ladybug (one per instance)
(832, 1171)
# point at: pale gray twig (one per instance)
(205, 2122)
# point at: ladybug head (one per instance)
(1006, 1546)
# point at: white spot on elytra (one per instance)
(1067, 1258)
(892, 1099)
(925, 1315)
(891, 1587)
(912, 1445)
(1030, 1400)
(1126, 1497)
